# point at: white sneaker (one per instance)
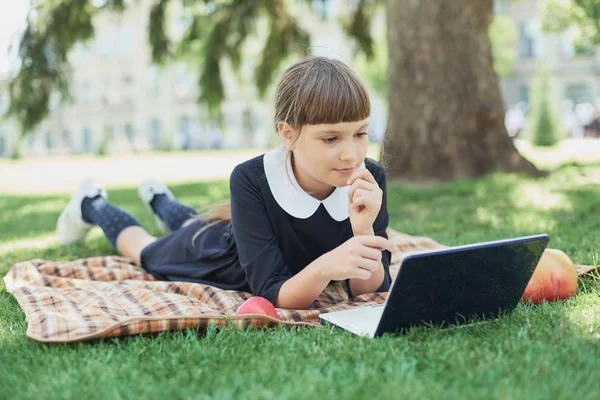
(146, 192)
(71, 227)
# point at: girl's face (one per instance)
(325, 155)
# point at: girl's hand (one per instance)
(365, 197)
(356, 258)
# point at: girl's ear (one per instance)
(286, 132)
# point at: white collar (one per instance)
(292, 198)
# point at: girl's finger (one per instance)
(361, 174)
(366, 201)
(370, 253)
(362, 184)
(361, 192)
(377, 242)
(365, 263)
(370, 265)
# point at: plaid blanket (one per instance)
(103, 297)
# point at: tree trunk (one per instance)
(446, 117)
(16, 153)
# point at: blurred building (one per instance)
(123, 103)
(575, 71)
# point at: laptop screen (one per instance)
(453, 285)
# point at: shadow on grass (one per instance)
(564, 205)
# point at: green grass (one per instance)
(536, 352)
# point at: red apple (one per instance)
(257, 305)
(554, 278)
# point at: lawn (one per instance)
(536, 352)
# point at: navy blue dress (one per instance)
(277, 230)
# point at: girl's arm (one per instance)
(301, 290)
(380, 279)
(257, 247)
(357, 258)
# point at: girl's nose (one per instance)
(348, 153)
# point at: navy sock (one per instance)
(109, 217)
(172, 212)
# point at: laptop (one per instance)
(449, 287)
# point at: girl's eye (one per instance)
(333, 139)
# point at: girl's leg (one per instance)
(173, 213)
(121, 229)
(132, 241)
(169, 213)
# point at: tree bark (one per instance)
(446, 117)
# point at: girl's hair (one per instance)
(315, 90)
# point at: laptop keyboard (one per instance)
(361, 321)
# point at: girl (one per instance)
(304, 214)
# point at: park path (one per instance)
(63, 174)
